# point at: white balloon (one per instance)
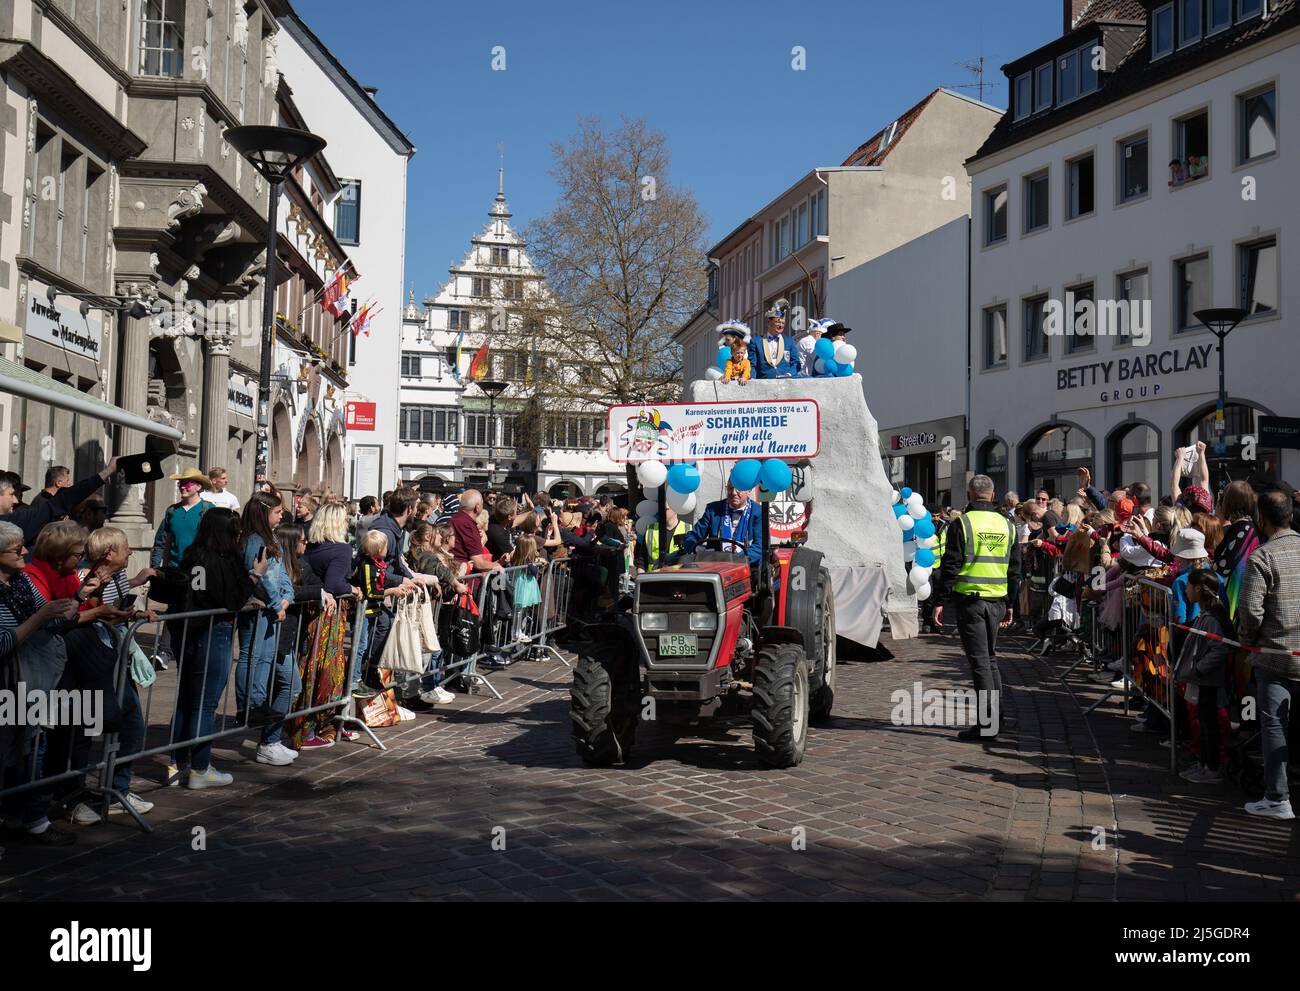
(919, 575)
(647, 507)
(820, 365)
(681, 502)
(846, 354)
(916, 499)
(927, 543)
(897, 496)
(643, 524)
(906, 523)
(651, 473)
(916, 510)
(923, 592)
(712, 374)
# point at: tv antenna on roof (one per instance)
(977, 69)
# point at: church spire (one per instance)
(500, 209)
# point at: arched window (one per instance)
(993, 460)
(1240, 422)
(1135, 456)
(564, 490)
(1052, 456)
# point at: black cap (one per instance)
(139, 468)
(12, 476)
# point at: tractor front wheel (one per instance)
(603, 708)
(780, 710)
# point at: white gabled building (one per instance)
(370, 155)
(452, 435)
(1074, 197)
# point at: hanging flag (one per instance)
(335, 298)
(455, 368)
(478, 368)
(362, 318)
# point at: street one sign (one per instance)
(359, 416)
(730, 431)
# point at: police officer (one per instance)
(978, 573)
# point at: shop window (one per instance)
(1053, 457)
(991, 459)
(1135, 456)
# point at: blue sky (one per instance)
(715, 77)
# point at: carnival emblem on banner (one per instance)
(644, 435)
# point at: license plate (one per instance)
(678, 645)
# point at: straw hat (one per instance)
(193, 475)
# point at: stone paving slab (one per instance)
(1061, 807)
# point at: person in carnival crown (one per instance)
(774, 356)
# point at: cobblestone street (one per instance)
(888, 812)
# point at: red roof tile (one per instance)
(871, 153)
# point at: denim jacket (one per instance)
(275, 585)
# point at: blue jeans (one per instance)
(363, 641)
(287, 686)
(204, 670)
(432, 676)
(259, 647)
(1277, 696)
(130, 737)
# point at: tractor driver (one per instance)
(736, 520)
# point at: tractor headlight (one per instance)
(704, 622)
(654, 622)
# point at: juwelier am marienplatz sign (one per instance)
(1141, 376)
(62, 326)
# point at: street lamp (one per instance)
(1221, 322)
(274, 152)
(493, 389)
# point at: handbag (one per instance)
(402, 651)
(142, 669)
(382, 710)
(465, 627)
(428, 628)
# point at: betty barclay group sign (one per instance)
(734, 431)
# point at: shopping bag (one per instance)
(402, 652)
(142, 669)
(382, 710)
(428, 628)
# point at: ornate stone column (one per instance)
(216, 388)
(133, 388)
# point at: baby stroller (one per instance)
(1062, 628)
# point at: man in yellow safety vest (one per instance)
(978, 575)
(646, 556)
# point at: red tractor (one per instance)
(712, 635)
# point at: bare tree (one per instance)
(623, 255)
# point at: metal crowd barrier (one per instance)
(1148, 651)
(325, 661)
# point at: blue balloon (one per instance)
(906, 493)
(900, 511)
(908, 535)
(724, 356)
(683, 478)
(925, 557)
(825, 349)
(923, 529)
(745, 475)
(843, 370)
(775, 475)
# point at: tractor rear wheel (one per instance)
(823, 651)
(780, 710)
(603, 708)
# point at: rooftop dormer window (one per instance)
(1162, 31)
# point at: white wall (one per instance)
(358, 151)
(1206, 215)
(907, 309)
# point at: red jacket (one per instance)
(50, 583)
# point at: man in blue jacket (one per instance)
(736, 520)
(774, 355)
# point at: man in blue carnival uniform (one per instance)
(774, 355)
(736, 520)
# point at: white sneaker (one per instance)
(437, 696)
(1118, 682)
(288, 751)
(274, 755)
(1267, 809)
(211, 778)
(141, 806)
(83, 815)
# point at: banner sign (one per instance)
(62, 326)
(241, 397)
(1279, 431)
(360, 416)
(731, 431)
